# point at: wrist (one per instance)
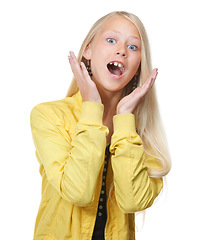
(120, 111)
(91, 99)
(91, 112)
(124, 123)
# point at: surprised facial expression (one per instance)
(115, 53)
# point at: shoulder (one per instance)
(58, 111)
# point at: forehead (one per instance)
(119, 24)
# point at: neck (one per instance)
(110, 101)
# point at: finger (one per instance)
(90, 85)
(155, 73)
(85, 74)
(76, 69)
(84, 70)
(151, 79)
(72, 57)
(73, 61)
(145, 88)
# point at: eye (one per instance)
(111, 40)
(133, 47)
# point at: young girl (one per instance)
(101, 150)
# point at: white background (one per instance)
(36, 37)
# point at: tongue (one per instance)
(114, 70)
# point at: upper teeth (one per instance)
(116, 64)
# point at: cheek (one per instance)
(98, 61)
(97, 69)
(95, 64)
(136, 64)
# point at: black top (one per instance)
(101, 217)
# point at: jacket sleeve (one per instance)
(134, 189)
(72, 167)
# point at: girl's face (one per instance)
(115, 54)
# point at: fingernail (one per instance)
(71, 55)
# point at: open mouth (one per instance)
(116, 68)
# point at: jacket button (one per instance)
(100, 214)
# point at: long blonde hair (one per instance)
(148, 122)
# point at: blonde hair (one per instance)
(148, 122)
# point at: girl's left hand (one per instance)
(131, 101)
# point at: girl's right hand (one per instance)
(87, 87)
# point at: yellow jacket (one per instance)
(70, 142)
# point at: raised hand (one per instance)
(86, 86)
(130, 102)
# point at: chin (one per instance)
(113, 89)
(110, 84)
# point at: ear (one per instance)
(87, 52)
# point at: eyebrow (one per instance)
(114, 31)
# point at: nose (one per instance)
(121, 51)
